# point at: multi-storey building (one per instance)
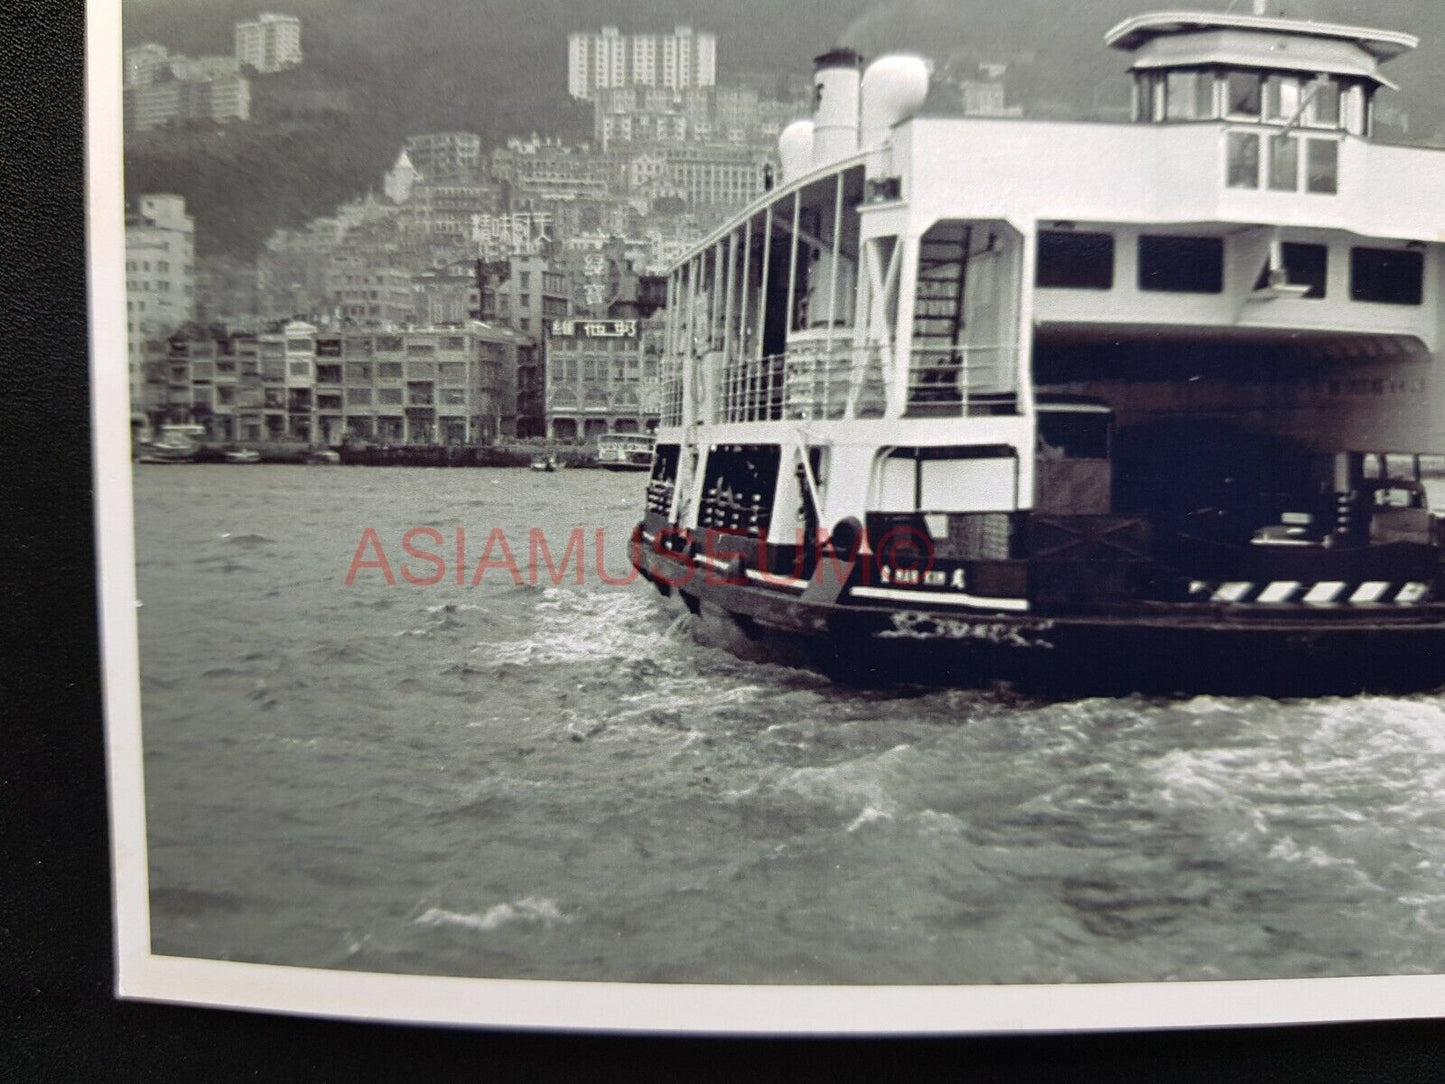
(441, 156)
(675, 61)
(431, 385)
(525, 296)
(171, 100)
(444, 213)
(160, 277)
(269, 43)
(532, 294)
(715, 176)
(370, 295)
(144, 64)
(602, 377)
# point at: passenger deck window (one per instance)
(1388, 276)
(1322, 162)
(1243, 160)
(1074, 434)
(1283, 164)
(1077, 261)
(1186, 265)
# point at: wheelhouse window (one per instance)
(1076, 261)
(1181, 265)
(1189, 95)
(1304, 265)
(1281, 97)
(1323, 110)
(1244, 93)
(1387, 276)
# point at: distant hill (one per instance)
(498, 68)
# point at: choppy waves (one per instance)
(574, 785)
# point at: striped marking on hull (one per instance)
(1324, 593)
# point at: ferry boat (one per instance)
(625, 451)
(1133, 405)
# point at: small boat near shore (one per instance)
(241, 455)
(625, 451)
(175, 444)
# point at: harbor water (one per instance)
(560, 781)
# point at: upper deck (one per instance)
(919, 270)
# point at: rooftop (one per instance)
(1136, 32)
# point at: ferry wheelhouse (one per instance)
(1139, 403)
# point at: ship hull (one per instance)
(1153, 648)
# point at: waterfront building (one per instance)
(598, 61)
(269, 43)
(160, 283)
(314, 385)
(444, 156)
(602, 376)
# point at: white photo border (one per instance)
(510, 1003)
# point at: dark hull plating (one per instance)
(1158, 648)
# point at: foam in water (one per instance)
(573, 627)
(531, 910)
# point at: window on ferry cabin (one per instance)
(1387, 275)
(1322, 166)
(1243, 160)
(1072, 260)
(1189, 95)
(1283, 163)
(1173, 264)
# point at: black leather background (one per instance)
(57, 1018)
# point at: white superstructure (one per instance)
(924, 288)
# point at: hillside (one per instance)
(499, 69)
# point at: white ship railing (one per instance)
(808, 383)
(943, 379)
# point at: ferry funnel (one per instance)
(795, 150)
(894, 88)
(836, 77)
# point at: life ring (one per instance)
(846, 536)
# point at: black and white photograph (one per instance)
(886, 516)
